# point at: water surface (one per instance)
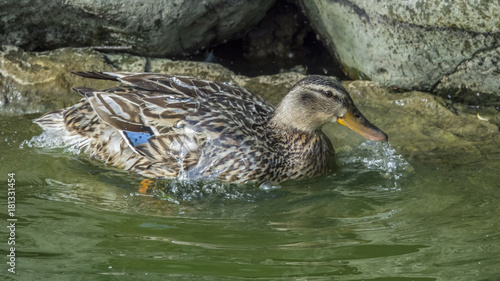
(380, 217)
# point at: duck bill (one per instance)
(354, 120)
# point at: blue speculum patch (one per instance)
(137, 138)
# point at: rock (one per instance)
(40, 82)
(421, 127)
(473, 80)
(447, 47)
(419, 124)
(154, 28)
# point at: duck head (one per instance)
(317, 100)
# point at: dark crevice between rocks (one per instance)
(471, 99)
(282, 41)
(147, 66)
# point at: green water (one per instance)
(381, 217)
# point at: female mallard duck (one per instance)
(165, 126)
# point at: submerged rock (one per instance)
(156, 28)
(446, 47)
(419, 124)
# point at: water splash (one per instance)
(188, 190)
(56, 139)
(381, 158)
(269, 186)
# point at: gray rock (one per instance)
(437, 46)
(154, 28)
(473, 81)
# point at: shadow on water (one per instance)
(379, 217)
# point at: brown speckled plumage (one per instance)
(204, 129)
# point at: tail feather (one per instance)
(99, 75)
(51, 120)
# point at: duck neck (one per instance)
(305, 153)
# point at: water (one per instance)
(381, 217)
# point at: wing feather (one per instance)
(180, 114)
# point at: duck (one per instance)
(165, 126)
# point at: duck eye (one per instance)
(328, 94)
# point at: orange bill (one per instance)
(354, 120)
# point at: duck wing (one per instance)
(170, 118)
(184, 85)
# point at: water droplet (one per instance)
(267, 186)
